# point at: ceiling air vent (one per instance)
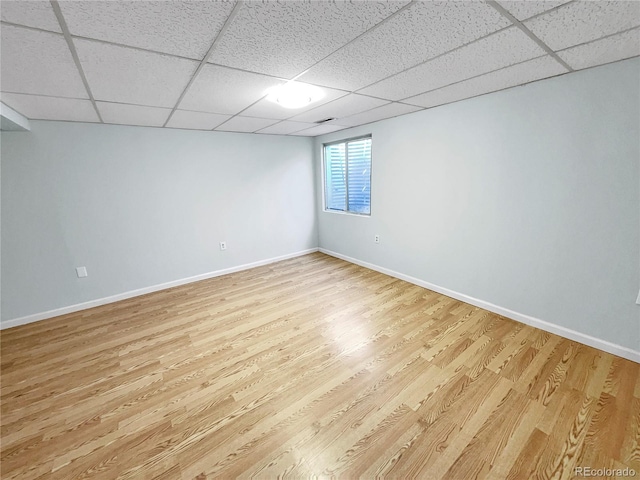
(325, 120)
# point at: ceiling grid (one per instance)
(207, 65)
(296, 77)
(74, 53)
(206, 58)
(528, 33)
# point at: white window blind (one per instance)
(348, 176)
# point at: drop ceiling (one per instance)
(206, 65)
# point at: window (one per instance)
(347, 176)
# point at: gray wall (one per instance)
(527, 199)
(142, 206)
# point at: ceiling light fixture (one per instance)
(294, 94)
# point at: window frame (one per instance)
(324, 177)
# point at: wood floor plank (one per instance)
(310, 367)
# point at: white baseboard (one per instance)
(583, 338)
(143, 291)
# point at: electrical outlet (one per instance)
(223, 245)
(376, 239)
(81, 272)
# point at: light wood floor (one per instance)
(308, 367)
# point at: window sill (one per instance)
(352, 214)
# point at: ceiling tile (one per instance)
(133, 114)
(121, 74)
(267, 109)
(583, 21)
(38, 63)
(285, 38)
(36, 107)
(286, 127)
(225, 90)
(245, 124)
(423, 31)
(196, 120)
(319, 130)
(606, 50)
(380, 113)
(499, 50)
(523, 9)
(525, 72)
(35, 13)
(181, 28)
(342, 107)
